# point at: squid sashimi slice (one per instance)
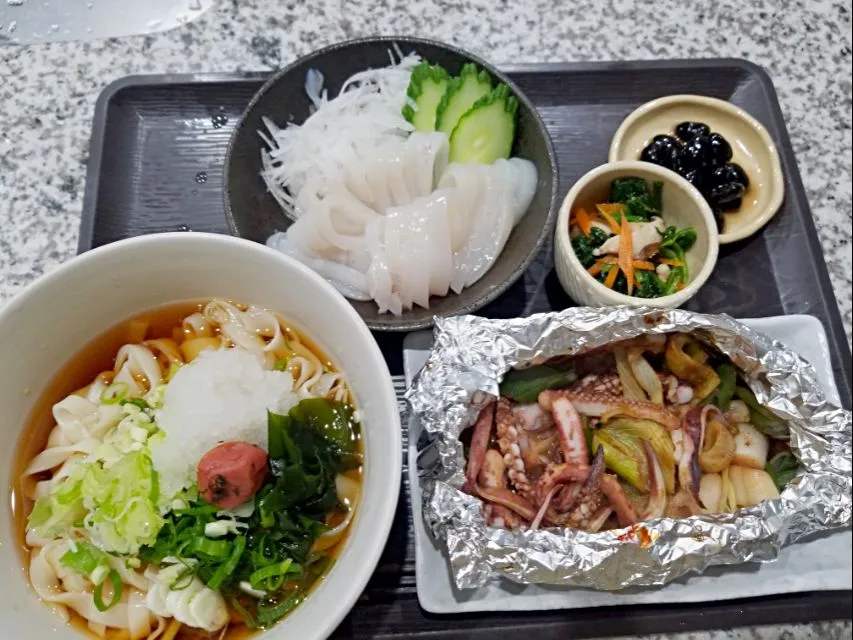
(350, 282)
(466, 182)
(437, 238)
(306, 237)
(525, 176)
(490, 228)
(395, 175)
(498, 221)
(408, 254)
(376, 178)
(341, 220)
(425, 158)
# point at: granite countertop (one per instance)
(48, 92)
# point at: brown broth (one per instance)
(96, 357)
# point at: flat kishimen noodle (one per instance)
(200, 481)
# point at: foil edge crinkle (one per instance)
(467, 362)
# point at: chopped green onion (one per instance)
(155, 485)
(184, 579)
(84, 559)
(139, 402)
(115, 579)
(227, 567)
(210, 548)
(271, 578)
(248, 618)
(271, 613)
(114, 393)
(281, 365)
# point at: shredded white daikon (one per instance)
(365, 114)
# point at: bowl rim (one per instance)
(402, 323)
(388, 494)
(564, 246)
(777, 181)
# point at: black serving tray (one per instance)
(156, 164)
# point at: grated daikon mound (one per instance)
(221, 396)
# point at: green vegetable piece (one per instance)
(726, 390)
(584, 246)
(270, 612)
(648, 285)
(686, 238)
(461, 94)
(486, 132)
(641, 203)
(334, 420)
(84, 559)
(623, 189)
(426, 88)
(228, 567)
(115, 580)
(525, 385)
(761, 417)
(624, 453)
(783, 467)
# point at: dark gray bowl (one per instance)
(253, 213)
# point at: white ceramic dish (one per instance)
(752, 147)
(822, 564)
(53, 318)
(683, 206)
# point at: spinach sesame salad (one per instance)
(625, 244)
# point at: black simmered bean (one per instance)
(688, 130)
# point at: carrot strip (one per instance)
(643, 265)
(671, 262)
(626, 253)
(611, 208)
(595, 269)
(583, 220)
(614, 227)
(610, 280)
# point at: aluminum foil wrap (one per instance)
(468, 361)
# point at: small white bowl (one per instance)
(56, 316)
(752, 148)
(683, 206)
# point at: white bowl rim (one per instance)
(673, 300)
(357, 582)
(777, 181)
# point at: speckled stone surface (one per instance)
(48, 92)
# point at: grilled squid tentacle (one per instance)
(607, 406)
(493, 476)
(479, 444)
(615, 494)
(569, 430)
(508, 441)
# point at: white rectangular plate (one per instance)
(822, 564)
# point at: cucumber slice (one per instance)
(462, 92)
(426, 87)
(485, 133)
